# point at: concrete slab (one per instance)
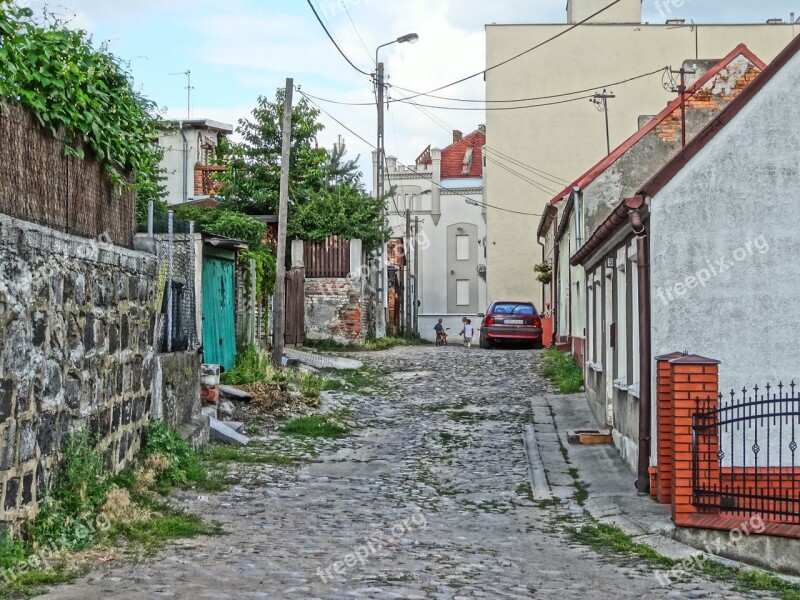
(322, 361)
(228, 391)
(538, 479)
(220, 432)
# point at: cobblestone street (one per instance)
(426, 498)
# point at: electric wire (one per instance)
(330, 37)
(438, 185)
(522, 177)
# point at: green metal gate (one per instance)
(219, 334)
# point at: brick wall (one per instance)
(335, 309)
(690, 476)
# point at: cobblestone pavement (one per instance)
(427, 498)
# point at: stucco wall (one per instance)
(76, 329)
(564, 140)
(735, 202)
(336, 308)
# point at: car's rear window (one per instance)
(511, 308)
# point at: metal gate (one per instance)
(294, 330)
(745, 458)
(219, 332)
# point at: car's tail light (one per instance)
(488, 321)
(537, 322)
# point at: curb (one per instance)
(536, 474)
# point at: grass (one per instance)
(356, 379)
(371, 344)
(241, 455)
(254, 365)
(562, 370)
(316, 426)
(154, 533)
(603, 538)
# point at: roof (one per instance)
(620, 150)
(673, 167)
(660, 179)
(220, 241)
(464, 158)
(202, 124)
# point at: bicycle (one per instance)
(441, 337)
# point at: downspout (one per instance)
(544, 259)
(645, 408)
(184, 198)
(554, 310)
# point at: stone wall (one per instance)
(76, 337)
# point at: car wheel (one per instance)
(484, 343)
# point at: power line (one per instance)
(543, 174)
(531, 182)
(406, 99)
(344, 6)
(328, 33)
(438, 185)
(523, 53)
(533, 99)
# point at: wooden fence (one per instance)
(330, 258)
(38, 183)
(295, 321)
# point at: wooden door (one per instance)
(219, 334)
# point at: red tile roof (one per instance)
(456, 157)
(601, 166)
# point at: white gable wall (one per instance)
(732, 218)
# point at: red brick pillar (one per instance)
(695, 388)
(664, 427)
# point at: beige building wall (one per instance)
(564, 140)
(627, 11)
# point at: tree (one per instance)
(252, 182)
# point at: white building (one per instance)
(189, 149)
(443, 190)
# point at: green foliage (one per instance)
(240, 226)
(562, 370)
(346, 211)
(544, 272)
(251, 365)
(159, 438)
(326, 194)
(252, 182)
(79, 491)
(371, 344)
(315, 426)
(151, 534)
(87, 93)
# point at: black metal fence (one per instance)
(745, 458)
(177, 254)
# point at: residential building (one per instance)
(532, 152)
(443, 189)
(710, 237)
(190, 147)
(612, 368)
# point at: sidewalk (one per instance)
(613, 498)
(612, 495)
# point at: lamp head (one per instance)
(411, 38)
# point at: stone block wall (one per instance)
(76, 351)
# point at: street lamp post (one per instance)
(381, 163)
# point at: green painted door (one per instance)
(219, 336)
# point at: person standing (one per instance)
(468, 332)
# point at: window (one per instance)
(462, 247)
(510, 308)
(462, 292)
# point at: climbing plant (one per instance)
(85, 93)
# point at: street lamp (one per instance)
(380, 168)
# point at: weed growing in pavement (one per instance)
(246, 455)
(371, 344)
(357, 380)
(440, 406)
(562, 370)
(467, 416)
(603, 538)
(317, 426)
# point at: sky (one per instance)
(238, 50)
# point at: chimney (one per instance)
(457, 136)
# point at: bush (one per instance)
(562, 370)
(159, 439)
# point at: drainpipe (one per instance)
(185, 162)
(645, 408)
(544, 259)
(554, 290)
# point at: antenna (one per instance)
(189, 89)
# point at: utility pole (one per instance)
(416, 275)
(601, 102)
(379, 194)
(682, 91)
(407, 295)
(280, 261)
